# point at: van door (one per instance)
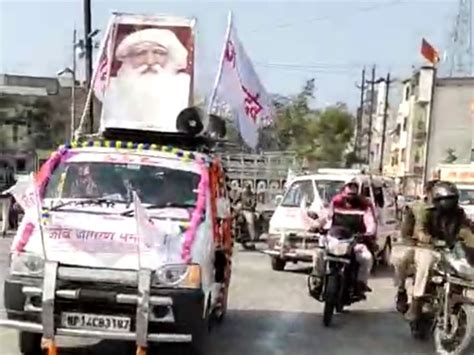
(384, 200)
(390, 208)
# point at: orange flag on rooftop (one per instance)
(429, 52)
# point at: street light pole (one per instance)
(88, 56)
(73, 87)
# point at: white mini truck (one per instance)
(82, 266)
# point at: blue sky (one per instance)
(289, 41)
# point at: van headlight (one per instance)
(26, 264)
(178, 275)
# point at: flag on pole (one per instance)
(237, 84)
(103, 63)
(155, 245)
(429, 52)
(146, 230)
(27, 195)
(24, 192)
(289, 177)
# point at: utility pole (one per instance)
(384, 125)
(73, 87)
(371, 112)
(360, 115)
(88, 56)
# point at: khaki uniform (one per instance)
(415, 229)
(412, 230)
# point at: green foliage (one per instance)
(320, 136)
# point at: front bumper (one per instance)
(157, 314)
(294, 247)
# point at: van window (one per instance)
(378, 196)
(327, 189)
(296, 192)
(366, 191)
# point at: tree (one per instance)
(320, 136)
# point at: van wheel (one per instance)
(201, 334)
(278, 264)
(30, 343)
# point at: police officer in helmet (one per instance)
(446, 221)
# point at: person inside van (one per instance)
(355, 213)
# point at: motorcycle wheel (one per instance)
(421, 328)
(461, 339)
(331, 296)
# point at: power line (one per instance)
(326, 18)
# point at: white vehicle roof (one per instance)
(360, 178)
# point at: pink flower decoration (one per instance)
(190, 233)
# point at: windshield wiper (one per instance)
(89, 201)
(170, 204)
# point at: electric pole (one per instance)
(371, 112)
(384, 125)
(73, 88)
(360, 115)
(88, 57)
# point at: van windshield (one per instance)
(327, 189)
(155, 185)
(466, 196)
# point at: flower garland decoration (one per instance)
(46, 170)
(196, 218)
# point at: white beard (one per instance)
(149, 99)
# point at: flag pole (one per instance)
(38, 206)
(221, 63)
(138, 232)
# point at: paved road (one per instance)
(271, 314)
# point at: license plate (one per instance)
(95, 322)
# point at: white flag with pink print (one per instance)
(237, 84)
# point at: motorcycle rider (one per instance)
(249, 203)
(444, 220)
(413, 219)
(343, 208)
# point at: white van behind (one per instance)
(287, 238)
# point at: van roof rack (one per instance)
(178, 140)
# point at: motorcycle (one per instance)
(241, 228)
(448, 309)
(340, 280)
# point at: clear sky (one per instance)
(289, 41)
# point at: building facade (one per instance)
(434, 125)
(35, 114)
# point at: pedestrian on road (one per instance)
(6, 204)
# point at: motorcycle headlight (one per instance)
(26, 264)
(179, 275)
(337, 247)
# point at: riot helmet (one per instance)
(445, 196)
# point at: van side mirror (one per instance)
(278, 199)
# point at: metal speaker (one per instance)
(190, 121)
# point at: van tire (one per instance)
(30, 343)
(201, 334)
(278, 264)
